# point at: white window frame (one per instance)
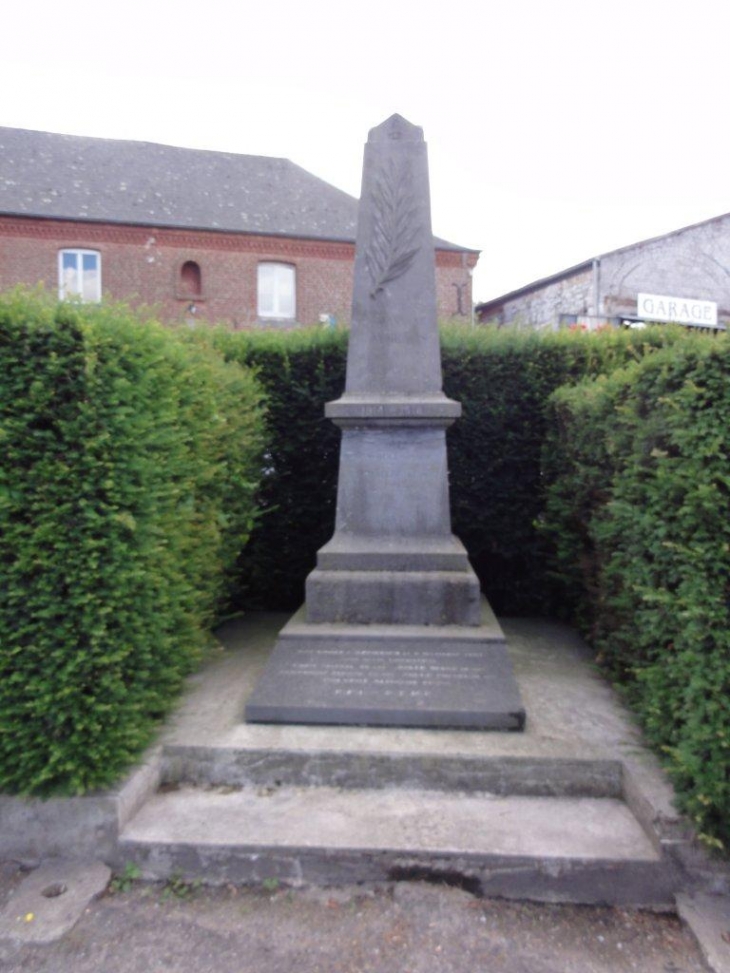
(283, 305)
(79, 254)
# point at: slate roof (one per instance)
(143, 183)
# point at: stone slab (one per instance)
(393, 410)
(346, 552)
(409, 821)
(529, 848)
(379, 678)
(51, 900)
(375, 598)
(238, 766)
(487, 629)
(708, 916)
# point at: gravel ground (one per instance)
(403, 928)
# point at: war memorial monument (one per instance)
(394, 630)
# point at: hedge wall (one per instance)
(639, 512)
(130, 460)
(300, 371)
(503, 380)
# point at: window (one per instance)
(79, 275)
(276, 291)
(191, 281)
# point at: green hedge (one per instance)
(639, 512)
(300, 371)
(502, 379)
(130, 460)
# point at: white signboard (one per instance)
(680, 310)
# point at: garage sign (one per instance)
(679, 310)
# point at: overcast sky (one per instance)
(557, 130)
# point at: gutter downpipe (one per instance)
(596, 285)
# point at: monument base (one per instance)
(454, 676)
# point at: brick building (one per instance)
(238, 239)
(683, 276)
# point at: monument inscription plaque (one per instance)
(394, 630)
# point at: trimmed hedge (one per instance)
(639, 511)
(300, 371)
(130, 461)
(503, 380)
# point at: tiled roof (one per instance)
(143, 183)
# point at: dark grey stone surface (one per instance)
(393, 563)
(383, 553)
(379, 683)
(449, 676)
(393, 410)
(527, 777)
(394, 342)
(648, 885)
(393, 597)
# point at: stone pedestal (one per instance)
(394, 630)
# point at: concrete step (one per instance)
(531, 775)
(572, 809)
(589, 850)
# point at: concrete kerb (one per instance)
(76, 828)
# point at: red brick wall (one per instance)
(453, 281)
(143, 265)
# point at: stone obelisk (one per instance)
(394, 630)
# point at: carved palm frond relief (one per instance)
(395, 227)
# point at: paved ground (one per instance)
(403, 928)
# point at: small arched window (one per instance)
(191, 280)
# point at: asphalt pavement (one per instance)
(406, 927)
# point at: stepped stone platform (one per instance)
(573, 809)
